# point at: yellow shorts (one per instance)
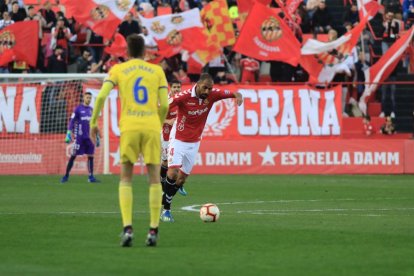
(147, 143)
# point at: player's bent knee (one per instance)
(172, 173)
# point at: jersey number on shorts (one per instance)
(140, 92)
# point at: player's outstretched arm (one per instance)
(100, 100)
(239, 98)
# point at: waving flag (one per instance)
(322, 60)
(216, 19)
(246, 5)
(176, 32)
(383, 68)
(292, 6)
(19, 41)
(368, 7)
(266, 37)
(118, 47)
(102, 16)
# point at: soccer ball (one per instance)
(209, 212)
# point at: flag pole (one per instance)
(230, 68)
(362, 43)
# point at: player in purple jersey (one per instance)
(79, 127)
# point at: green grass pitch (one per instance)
(269, 225)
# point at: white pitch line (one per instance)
(73, 213)
(325, 210)
(196, 207)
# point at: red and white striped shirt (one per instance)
(193, 112)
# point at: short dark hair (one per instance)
(205, 76)
(88, 93)
(367, 117)
(175, 81)
(136, 46)
(30, 7)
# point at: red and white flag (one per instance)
(102, 16)
(381, 70)
(322, 60)
(118, 47)
(19, 41)
(244, 7)
(292, 6)
(265, 36)
(368, 7)
(176, 32)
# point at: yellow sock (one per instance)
(125, 202)
(155, 200)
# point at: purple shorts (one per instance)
(83, 146)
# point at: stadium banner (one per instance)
(42, 156)
(338, 156)
(278, 130)
(301, 157)
(267, 111)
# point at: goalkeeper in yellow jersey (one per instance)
(143, 91)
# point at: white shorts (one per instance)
(182, 155)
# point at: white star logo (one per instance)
(268, 156)
(116, 157)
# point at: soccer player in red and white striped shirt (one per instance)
(193, 107)
(175, 87)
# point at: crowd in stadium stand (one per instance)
(67, 46)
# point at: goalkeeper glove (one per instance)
(98, 140)
(68, 137)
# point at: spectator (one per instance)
(57, 62)
(221, 78)
(281, 72)
(184, 6)
(96, 51)
(351, 15)
(365, 41)
(249, 69)
(84, 62)
(17, 13)
(305, 22)
(61, 35)
(388, 128)
(215, 65)
(150, 43)
(6, 21)
(393, 6)
(389, 89)
(113, 60)
(182, 76)
(322, 19)
(49, 16)
(32, 15)
(360, 66)
(391, 30)
(129, 26)
(311, 6)
(368, 128)
(408, 10)
(3, 6)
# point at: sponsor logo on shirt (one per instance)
(198, 111)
